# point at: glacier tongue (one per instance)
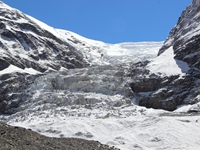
(96, 103)
(92, 87)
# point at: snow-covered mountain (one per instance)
(30, 48)
(29, 44)
(61, 84)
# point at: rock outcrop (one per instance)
(151, 90)
(154, 91)
(13, 90)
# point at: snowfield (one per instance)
(131, 127)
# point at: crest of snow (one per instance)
(44, 26)
(71, 35)
(167, 65)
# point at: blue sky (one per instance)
(111, 21)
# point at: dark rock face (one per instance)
(25, 44)
(3, 64)
(11, 138)
(13, 90)
(185, 36)
(153, 91)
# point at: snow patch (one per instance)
(167, 65)
(13, 69)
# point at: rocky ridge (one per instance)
(169, 92)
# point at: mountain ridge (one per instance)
(184, 36)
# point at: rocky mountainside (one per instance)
(26, 44)
(180, 87)
(184, 37)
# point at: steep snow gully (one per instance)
(61, 84)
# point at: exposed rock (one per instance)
(31, 45)
(168, 92)
(13, 90)
(3, 64)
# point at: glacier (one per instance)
(96, 101)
